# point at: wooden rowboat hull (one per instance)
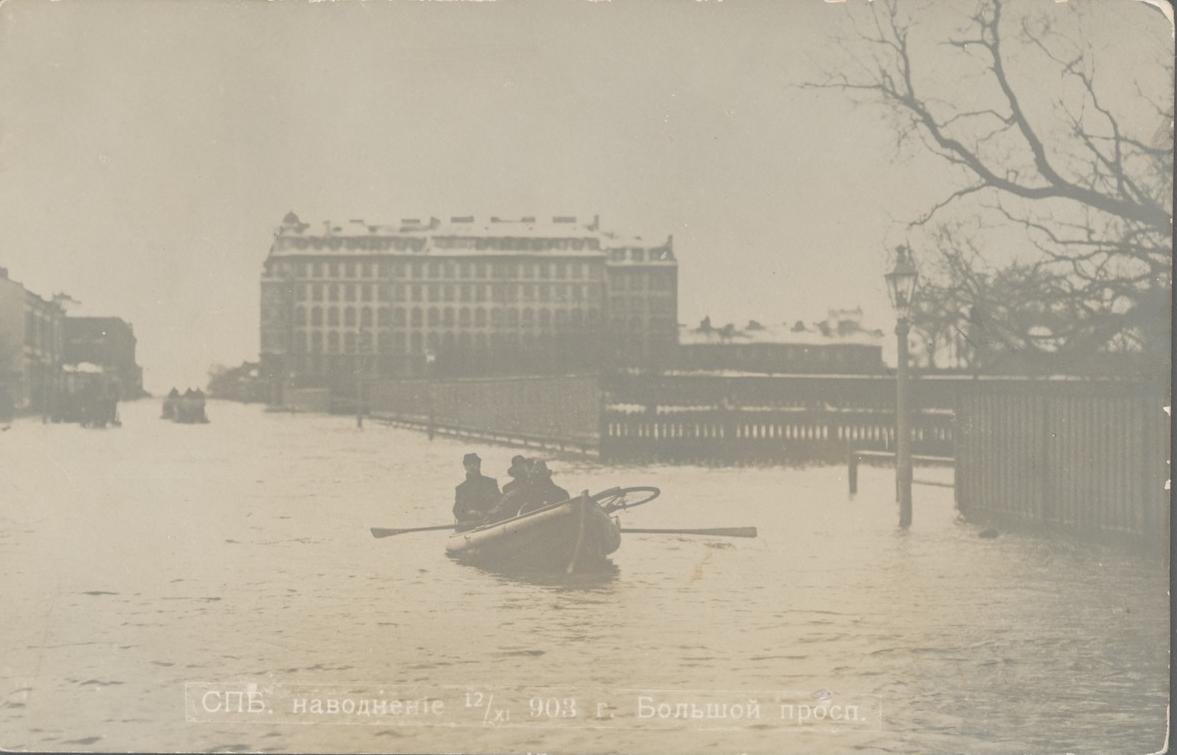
(575, 535)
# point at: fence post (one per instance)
(852, 469)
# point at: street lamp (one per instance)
(430, 373)
(901, 283)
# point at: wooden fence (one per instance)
(561, 411)
(1088, 456)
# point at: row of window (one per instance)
(448, 269)
(398, 342)
(464, 316)
(448, 292)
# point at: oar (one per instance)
(721, 531)
(384, 532)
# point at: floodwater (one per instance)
(148, 566)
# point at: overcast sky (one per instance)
(148, 149)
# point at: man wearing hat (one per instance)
(477, 495)
(517, 473)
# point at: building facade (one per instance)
(31, 347)
(108, 342)
(465, 297)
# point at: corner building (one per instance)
(463, 297)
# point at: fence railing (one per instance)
(735, 435)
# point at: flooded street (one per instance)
(139, 560)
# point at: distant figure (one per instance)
(170, 404)
(477, 495)
(517, 473)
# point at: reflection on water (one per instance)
(145, 558)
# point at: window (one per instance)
(431, 292)
(366, 317)
(349, 291)
(318, 270)
(415, 292)
(317, 316)
(465, 293)
(545, 292)
(447, 292)
(512, 318)
(384, 292)
(561, 269)
(496, 317)
(448, 317)
(317, 291)
(433, 269)
(349, 342)
(317, 342)
(398, 317)
(333, 270)
(466, 269)
(545, 318)
(332, 342)
(528, 291)
(349, 270)
(333, 316)
(434, 316)
(479, 317)
(480, 270)
(349, 316)
(528, 317)
(418, 268)
(366, 292)
(333, 291)
(464, 317)
(385, 316)
(416, 317)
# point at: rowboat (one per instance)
(570, 536)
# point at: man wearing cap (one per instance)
(476, 495)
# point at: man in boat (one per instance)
(517, 473)
(542, 490)
(477, 495)
(535, 490)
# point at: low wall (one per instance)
(559, 409)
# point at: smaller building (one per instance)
(31, 347)
(837, 345)
(108, 342)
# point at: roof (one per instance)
(469, 226)
(781, 334)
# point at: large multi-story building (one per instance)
(108, 342)
(339, 302)
(31, 345)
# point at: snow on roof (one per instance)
(779, 334)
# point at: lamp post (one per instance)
(360, 351)
(901, 283)
(430, 372)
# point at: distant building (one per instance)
(461, 297)
(837, 345)
(108, 342)
(31, 345)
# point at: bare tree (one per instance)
(1089, 193)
